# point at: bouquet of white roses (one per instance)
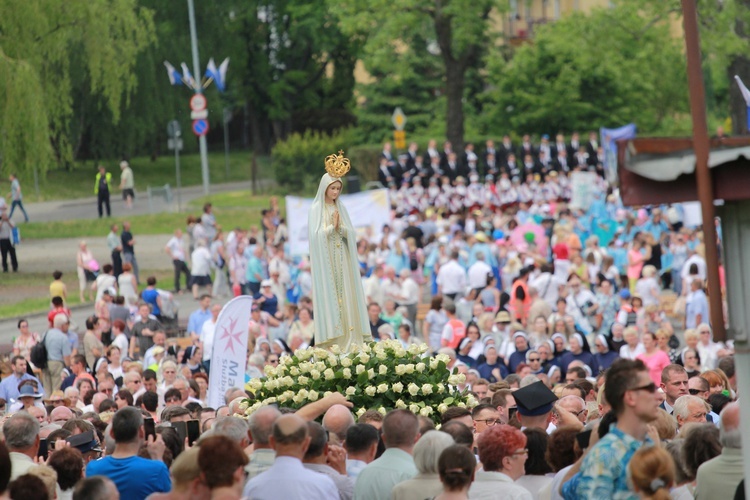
(380, 376)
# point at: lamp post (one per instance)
(197, 70)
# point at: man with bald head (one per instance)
(575, 405)
(287, 477)
(337, 421)
(400, 433)
(60, 415)
(719, 477)
(260, 424)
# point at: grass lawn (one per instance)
(79, 181)
(28, 293)
(163, 223)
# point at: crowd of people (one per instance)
(583, 332)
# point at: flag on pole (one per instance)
(229, 353)
(746, 96)
(187, 75)
(174, 76)
(218, 75)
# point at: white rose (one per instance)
(333, 361)
(347, 373)
(360, 369)
(420, 367)
(383, 388)
(303, 380)
(269, 401)
(255, 384)
(305, 367)
(294, 371)
(400, 404)
(453, 380)
(327, 393)
(424, 348)
(282, 398)
(371, 373)
(410, 368)
(440, 388)
(381, 355)
(270, 384)
(461, 378)
(413, 349)
(351, 391)
(346, 362)
(329, 375)
(364, 358)
(471, 401)
(426, 411)
(269, 370)
(361, 412)
(461, 405)
(366, 348)
(320, 353)
(434, 364)
(382, 411)
(397, 387)
(400, 352)
(443, 357)
(442, 407)
(370, 391)
(303, 393)
(320, 366)
(414, 408)
(400, 369)
(335, 349)
(315, 374)
(427, 389)
(413, 389)
(313, 395)
(382, 369)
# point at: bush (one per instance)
(376, 376)
(299, 158)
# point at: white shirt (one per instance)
(121, 341)
(478, 274)
(496, 486)
(201, 259)
(374, 291)
(176, 249)
(627, 353)
(451, 278)
(276, 483)
(207, 337)
(548, 286)
(277, 265)
(409, 292)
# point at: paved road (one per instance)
(85, 208)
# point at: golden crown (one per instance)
(337, 165)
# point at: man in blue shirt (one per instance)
(604, 469)
(199, 316)
(9, 385)
(135, 477)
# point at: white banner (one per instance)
(583, 185)
(229, 355)
(368, 210)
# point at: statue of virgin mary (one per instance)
(340, 312)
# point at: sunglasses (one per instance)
(532, 360)
(648, 388)
(694, 392)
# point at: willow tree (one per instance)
(46, 48)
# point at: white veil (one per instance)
(328, 321)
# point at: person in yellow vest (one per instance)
(101, 190)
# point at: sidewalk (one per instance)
(85, 208)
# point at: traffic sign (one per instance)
(399, 119)
(199, 115)
(200, 127)
(399, 138)
(198, 102)
(173, 144)
(173, 129)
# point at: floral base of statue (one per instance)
(378, 376)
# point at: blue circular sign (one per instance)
(200, 127)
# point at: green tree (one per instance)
(614, 66)
(459, 30)
(295, 70)
(46, 47)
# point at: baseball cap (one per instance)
(266, 283)
(84, 442)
